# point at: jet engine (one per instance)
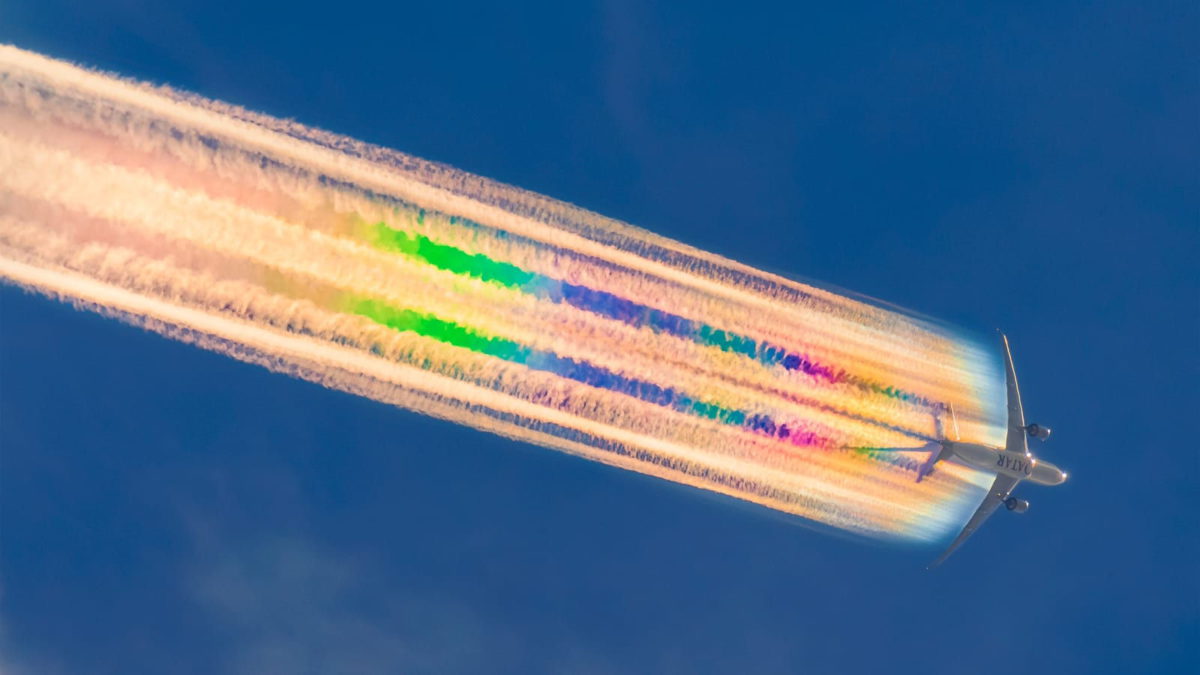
(1017, 505)
(1038, 431)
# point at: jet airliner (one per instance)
(1011, 464)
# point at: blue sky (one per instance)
(163, 509)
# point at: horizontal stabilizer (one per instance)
(935, 455)
(934, 449)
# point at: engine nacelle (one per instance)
(1038, 431)
(1017, 505)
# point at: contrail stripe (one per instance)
(420, 286)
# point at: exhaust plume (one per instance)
(414, 284)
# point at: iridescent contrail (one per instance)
(418, 285)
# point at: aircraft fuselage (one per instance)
(1015, 464)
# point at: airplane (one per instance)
(1011, 464)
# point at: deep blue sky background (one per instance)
(163, 509)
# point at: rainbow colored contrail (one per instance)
(418, 285)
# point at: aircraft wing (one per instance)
(1001, 488)
(1016, 439)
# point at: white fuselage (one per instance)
(1016, 464)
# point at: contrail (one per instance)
(418, 285)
